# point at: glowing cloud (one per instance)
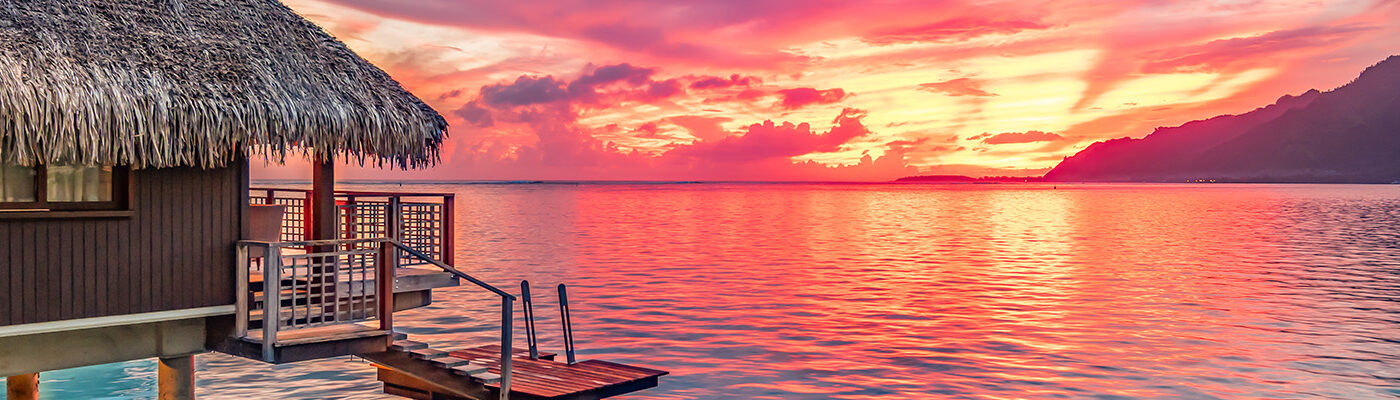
(677, 89)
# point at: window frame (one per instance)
(121, 195)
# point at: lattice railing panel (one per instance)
(363, 220)
(293, 218)
(420, 228)
(330, 288)
(366, 216)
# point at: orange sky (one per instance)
(824, 90)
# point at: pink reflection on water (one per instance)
(965, 291)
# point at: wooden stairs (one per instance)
(415, 370)
(341, 300)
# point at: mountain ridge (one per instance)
(1347, 134)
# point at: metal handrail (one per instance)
(528, 307)
(448, 268)
(507, 319)
(568, 323)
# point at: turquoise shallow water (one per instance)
(807, 291)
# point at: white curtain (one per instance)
(77, 183)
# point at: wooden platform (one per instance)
(309, 344)
(534, 379)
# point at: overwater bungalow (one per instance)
(129, 230)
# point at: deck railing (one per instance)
(283, 286)
(421, 221)
(307, 284)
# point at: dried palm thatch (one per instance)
(164, 83)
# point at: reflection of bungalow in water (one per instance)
(128, 229)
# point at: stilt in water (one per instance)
(22, 387)
(175, 378)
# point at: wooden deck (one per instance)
(534, 379)
(309, 343)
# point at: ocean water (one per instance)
(818, 291)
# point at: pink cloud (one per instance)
(955, 29)
(1016, 137)
(802, 97)
(769, 140)
(549, 109)
(696, 67)
(957, 87)
(702, 127)
(714, 82)
(1247, 52)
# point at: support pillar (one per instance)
(175, 378)
(22, 387)
(323, 214)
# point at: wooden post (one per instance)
(322, 206)
(175, 378)
(393, 218)
(272, 301)
(240, 292)
(349, 219)
(507, 349)
(307, 209)
(245, 225)
(448, 247)
(22, 387)
(384, 291)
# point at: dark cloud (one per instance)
(610, 74)
(475, 114)
(664, 89)
(550, 109)
(714, 82)
(526, 90)
(585, 88)
(957, 87)
(802, 97)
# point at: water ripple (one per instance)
(915, 291)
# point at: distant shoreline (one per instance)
(901, 181)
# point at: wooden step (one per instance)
(468, 369)
(427, 353)
(449, 362)
(407, 345)
(486, 377)
(400, 335)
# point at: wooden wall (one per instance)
(176, 251)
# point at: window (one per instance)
(62, 187)
(17, 184)
(79, 184)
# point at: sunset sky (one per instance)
(827, 90)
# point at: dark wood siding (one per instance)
(176, 251)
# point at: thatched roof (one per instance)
(162, 83)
